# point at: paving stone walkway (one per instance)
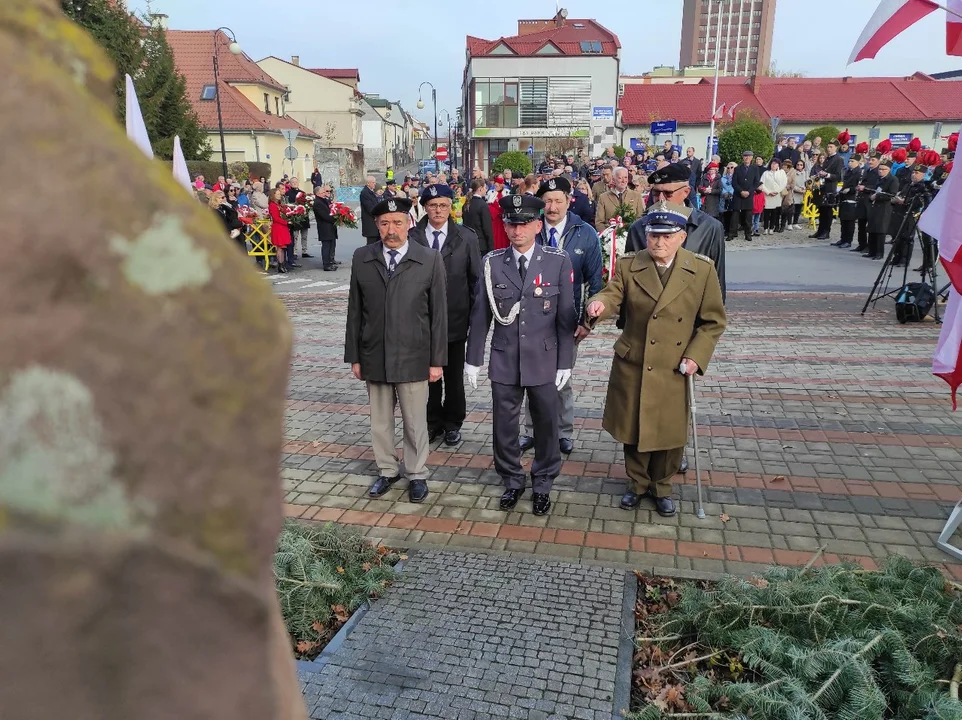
(477, 636)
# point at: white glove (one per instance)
(471, 372)
(561, 378)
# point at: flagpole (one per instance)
(714, 99)
(943, 7)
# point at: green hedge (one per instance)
(745, 134)
(517, 162)
(826, 132)
(211, 170)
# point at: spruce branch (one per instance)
(868, 646)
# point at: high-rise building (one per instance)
(738, 31)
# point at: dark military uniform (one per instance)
(533, 339)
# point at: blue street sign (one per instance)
(853, 140)
(799, 137)
(637, 145)
(664, 127)
(873, 133)
(714, 145)
(603, 112)
(900, 139)
(530, 150)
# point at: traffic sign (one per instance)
(442, 153)
(664, 127)
(291, 153)
(290, 136)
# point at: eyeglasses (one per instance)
(664, 193)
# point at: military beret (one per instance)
(436, 191)
(521, 209)
(392, 205)
(666, 218)
(555, 183)
(671, 173)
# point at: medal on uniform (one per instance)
(538, 291)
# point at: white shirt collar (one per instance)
(430, 230)
(401, 252)
(527, 255)
(559, 228)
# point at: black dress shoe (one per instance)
(566, 446)
(382, 485)
(527, 442)
(435, 434)
(630, 500)
(859, 249)
(304, 255)
(330, 268)
(294, 265)
(417, 491)
(868, 255)
(684, 464)
(837, 244)
(540, 503)
(282, 270)
(844, 246)
(664, 506)
(452, 437)
(510, 498)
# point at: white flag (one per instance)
(136, 130)
(181, 174)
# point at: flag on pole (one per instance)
(719, 112)
(181, 174)
(136, 129)
(731, 110)
(891, 18)
(953, 27)
(943, 221)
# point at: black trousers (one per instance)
(928, 251)
(506, 414)
(771, 217)
(862, 233)
(903, 249)
(448, 414)
(796, 213)
(825, 217)
(726, 219)
(745, 221)
(876, 244)
(327, 252)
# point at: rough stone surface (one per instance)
(481, 636)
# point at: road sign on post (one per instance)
(290, 136)
(664, 127)
(442, 153)
(290, 152)
(937, 133)
(874, 133)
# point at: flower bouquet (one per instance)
(613, 239)
(343, 215)
(296, 216)
(246, 214)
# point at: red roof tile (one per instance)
(193, 55)
(338, 73)
(567, 39)
(867, 100)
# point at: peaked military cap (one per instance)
(392, 205)
(553, 184)
(666, 218)
(521, 209)
(671, 173)
(436, 191)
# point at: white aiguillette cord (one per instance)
(516, 308)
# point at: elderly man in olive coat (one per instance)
(674, 316)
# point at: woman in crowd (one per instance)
(259, 199)
(280, 232)
(774, 183)
(788, 197)
(728, 192)
(581, 202)
(228, 215)
(801, 180)
(416, 212)
(710, 190)
(244, 195)
(675, 156)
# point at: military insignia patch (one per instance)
(392, 206)
(434, 191)
(552, 184)
(517, 201)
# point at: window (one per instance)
(569, 102)
(534, 102)
(496, 102)
(208, 93)
(267, 103)
(590, 47)
(277, 106)
(495, 148)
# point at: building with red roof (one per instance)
(551, 88)
(253, 105)
(900, 108)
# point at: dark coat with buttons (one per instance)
(581, 243)
(530, 351)
(647, 402)
(397, 327)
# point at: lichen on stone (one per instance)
(163, 259)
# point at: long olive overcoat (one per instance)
(647, 402)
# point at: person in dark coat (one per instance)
(396, 341)
(867, 183)
(529, 293)
(477, 217)
(880, 216)
(581, 203)
(848, 202)
(458, 246)
(326, 226)
(745, 182)
(831, 175)
(369, 200)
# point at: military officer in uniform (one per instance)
(528, 290)
(674, 317)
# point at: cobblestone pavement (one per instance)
(464, 636)
(818, 428)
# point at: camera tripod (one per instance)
(929, 264)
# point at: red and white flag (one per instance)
(731, 110)
(943, 221)
(892, 18)
(953, 27)
(719, 113)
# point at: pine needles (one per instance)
(835, 643)
(322, 575)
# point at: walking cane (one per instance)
(700, 512)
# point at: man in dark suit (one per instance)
(830, 175)
(745, 182)
(326, 227)
(477, 216)
(369, 199)
(458, 246)
(529, 293)
(397, 341)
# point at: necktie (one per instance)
(437, 241)
(523, 266)
(553, 239)
(392, 266)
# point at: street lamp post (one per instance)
(714, 99)
(235, 49)
(434, 99)
(450, 138)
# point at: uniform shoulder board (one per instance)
(704, 258)
(552, 251)
(497, 253)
